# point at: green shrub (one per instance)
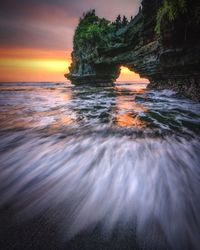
(170, 9)
(92, 30)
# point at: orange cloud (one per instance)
(15, 52)
(18, 64)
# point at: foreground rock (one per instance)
(162, 44)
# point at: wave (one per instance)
(150, 184)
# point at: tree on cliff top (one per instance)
(124, 21)
(120, 22)
(91, 30)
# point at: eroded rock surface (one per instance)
(168, 58)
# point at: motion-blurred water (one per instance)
(112, 157)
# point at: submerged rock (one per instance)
(162, 44)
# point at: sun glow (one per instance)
(53, 65)
(13, 69)
(127, 75)
(33, 65)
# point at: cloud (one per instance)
(50, 23)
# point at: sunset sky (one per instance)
(36, 36)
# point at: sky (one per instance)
(36, 36)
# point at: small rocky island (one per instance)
(161, 43)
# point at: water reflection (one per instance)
(34, 107)
(58, 106)
(128, 120)
(128, 113)
(109, 157)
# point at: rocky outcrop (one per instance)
(169, 56)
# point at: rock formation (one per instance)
(162, 44)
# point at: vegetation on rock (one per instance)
(92, 30)
(170, 9)
(96, 31)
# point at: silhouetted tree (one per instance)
(118, 22)
(124, 21)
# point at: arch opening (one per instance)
(126, 75)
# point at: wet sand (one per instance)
(43, 233)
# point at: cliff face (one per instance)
(162, 48)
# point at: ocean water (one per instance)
(119, 158)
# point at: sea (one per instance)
(104, 167)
